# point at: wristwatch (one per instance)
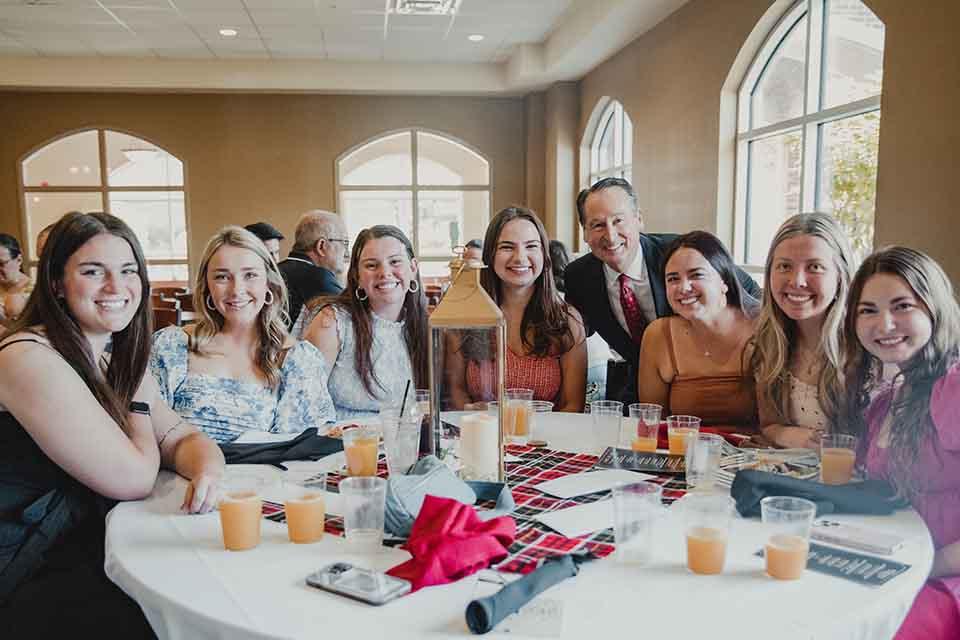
(140, 407)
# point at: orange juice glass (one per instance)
(707, 519)
(517, 419)
(646, 418)
(305, 505)
(838, 454)
(679, 428)
(360, 447)
(787, 521)
(241, 510)
(644, 445)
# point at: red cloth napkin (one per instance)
(448, 542)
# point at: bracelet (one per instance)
(140, 407)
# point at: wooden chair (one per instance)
(159, 302)
(185, 298)
(167, 291)
(165, 318)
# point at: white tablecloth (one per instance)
(175, 566)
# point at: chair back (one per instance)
(165, 317)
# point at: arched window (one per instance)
(447, 184)
(808, 125)
(103, 170)
(611, 143)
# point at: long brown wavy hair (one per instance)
(48, 310)
(413, 315)
(911, 424)
(545, 327)
(272, 320)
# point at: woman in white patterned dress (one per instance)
(237, 369)
(375, 332)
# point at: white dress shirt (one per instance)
(639, 282)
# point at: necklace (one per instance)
(708, 351)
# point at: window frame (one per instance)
(613, 113)
(103, 189)
(809, 124)
(415, 187)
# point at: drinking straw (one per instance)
(403, 403)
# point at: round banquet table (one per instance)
(175, 567)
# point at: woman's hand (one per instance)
(792, 437)
(202, 494)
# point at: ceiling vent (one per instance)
(425, 7)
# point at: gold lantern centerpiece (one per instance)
(468, 333)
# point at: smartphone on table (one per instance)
(366, 585)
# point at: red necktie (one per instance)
(631, 309)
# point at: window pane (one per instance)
(605, 148)
(848, 176)
(362, 209)
(434, 269)
(444, 162)
(158, 218)
(167, 272)
(854, 53)
(384, 161)
(774, 191)
(778, 95)
(68, 162)
(449, 218)
(627, 139)
(46, 208)
(132, 162)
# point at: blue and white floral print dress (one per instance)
(224, 407)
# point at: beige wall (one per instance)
(561, 114)
(251, 157)
(670, 81)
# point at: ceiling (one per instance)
(526, 43)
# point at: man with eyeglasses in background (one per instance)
(317, 261)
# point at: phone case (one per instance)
(847, 535)
(366, 585)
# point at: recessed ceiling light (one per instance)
(476, 37)
(228, 33)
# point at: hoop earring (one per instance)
(209, 303)
(271, 298)
(414, 286)
(361, 298)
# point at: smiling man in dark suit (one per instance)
(618, 287)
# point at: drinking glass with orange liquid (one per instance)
(647, 419)
(360, 447)
(707, 519)
(305, 505)
(838, 454)
(518, 417)
(679, 428)
(788, 522)
(241, 511)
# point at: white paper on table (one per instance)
(579, 484)
(579, 520)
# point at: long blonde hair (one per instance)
(775, 338)
(272, 321)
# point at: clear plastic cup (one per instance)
(305, 505)
(788, 521)
(536, 426)
(426, 424)
(519, 411)
(241, 510)
(607, 416)
(364, 501)
(707, 519)
(645, 421)
(679, 428)
(838, 455)
(360, 447)
(702, 460)
(401, 439)
(636, 506)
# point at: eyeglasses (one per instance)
(346, 243)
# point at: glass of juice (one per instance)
(679, 428)
(838, 454)
(636, 506)
(788, 522)
(707, 518)
(305, 505)
(647, 419)
(364, 502)
(360, 446)
(517, 420)
(241, 511)
(702, 460)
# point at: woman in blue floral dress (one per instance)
(237, 369)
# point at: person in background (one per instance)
(374, 334)
(694, 362)
(42, 237)
(797, 346)
(546, 344)
(618, 286)
(237, 369)
(269, 235)
(317, 260)
(15, 285)
(81, 429)
(902, 312)
(559, 259)
(473, 250)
